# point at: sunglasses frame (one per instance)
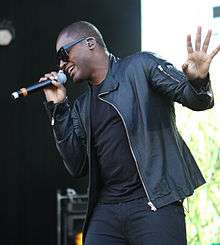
(63, 54)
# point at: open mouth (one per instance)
(70, 69)
(72, 72)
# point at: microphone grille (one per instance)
(61, 77)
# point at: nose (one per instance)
(62, 64)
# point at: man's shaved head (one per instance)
(82, 29)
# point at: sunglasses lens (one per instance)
(62, 55)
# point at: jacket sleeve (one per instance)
(69, 136)
(168, 81)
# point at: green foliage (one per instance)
(201, 131)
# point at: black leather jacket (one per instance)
(142, 88)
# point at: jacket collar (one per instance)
(110, 84)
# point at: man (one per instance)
(122, 132)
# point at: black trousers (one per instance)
(133, 223)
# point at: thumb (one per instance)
(185, 67)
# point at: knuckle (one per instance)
(42, 79)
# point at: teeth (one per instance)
(70, 69)
(71, 73)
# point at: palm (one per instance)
(198, 61)
(198, 64)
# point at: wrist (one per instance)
(56, 100)
(200, 81)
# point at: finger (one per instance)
(198, 39)
(51, 76)
(56, 84)
(206, 42)
(47, 75)
(42, 79)
(54, 74)
(189, 44)
(214, 52)
(185, 67)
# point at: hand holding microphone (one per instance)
(51, 83)
(57, 92)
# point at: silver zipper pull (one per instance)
(209, 94)
(152, 207)
(52, 121)
(160, 67)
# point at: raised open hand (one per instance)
(198, 61)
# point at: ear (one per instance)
(91, 42)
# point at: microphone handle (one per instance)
(61, 77)
(35, 87)
(38, 86)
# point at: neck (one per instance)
(101, 68)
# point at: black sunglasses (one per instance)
(63, 52)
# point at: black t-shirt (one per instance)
(119, 176)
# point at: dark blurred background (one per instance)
(31, 170)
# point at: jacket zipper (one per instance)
(53, 114)
(153, 208)
(166, 73)
(162, 70)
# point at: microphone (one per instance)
(61, 78)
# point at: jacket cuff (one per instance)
(56, 109)
(201, 85)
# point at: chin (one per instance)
(74, 78)
(77, 79)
